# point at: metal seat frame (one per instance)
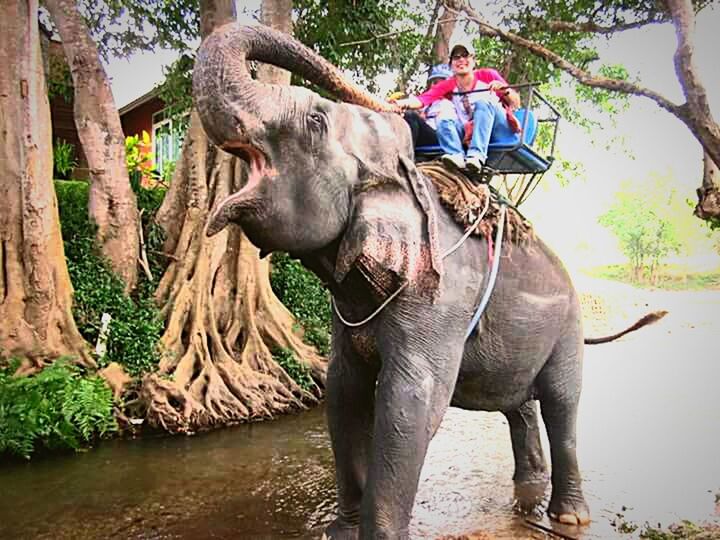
(515, 157)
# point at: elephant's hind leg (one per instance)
(531, 473)
(559, 385)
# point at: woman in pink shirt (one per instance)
(475, 116)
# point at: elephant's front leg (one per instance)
(350, 405)
(414, 390)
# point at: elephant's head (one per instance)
(317, 168)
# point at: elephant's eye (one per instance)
(316, 119)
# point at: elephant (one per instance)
(334, 184)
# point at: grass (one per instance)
(670, 278)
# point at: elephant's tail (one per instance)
(647, 319)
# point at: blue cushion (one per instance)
(503, 153)
(504, 135)
(429, 150)
(530, 128)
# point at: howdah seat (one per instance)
(511, 153)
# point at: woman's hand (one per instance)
(506, 94)
(497, 86)
(411, 102)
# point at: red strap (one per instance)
(468, 133)
(511, 118)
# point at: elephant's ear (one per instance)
(392, 237)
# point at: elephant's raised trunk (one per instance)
(232, 105)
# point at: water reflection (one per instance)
(261, 480)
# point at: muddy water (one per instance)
(649, 433)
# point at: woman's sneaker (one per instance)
(454, 161)
(474, 164)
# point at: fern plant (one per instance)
(57, 408)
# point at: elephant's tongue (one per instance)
(229, 208)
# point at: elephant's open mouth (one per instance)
(229, 208)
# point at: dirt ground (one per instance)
(648, 429)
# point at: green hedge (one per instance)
(136, 324)
(296, 371)
(306, 298)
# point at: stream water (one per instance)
(648, 449)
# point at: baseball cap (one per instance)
(466, 45)
(440, 71)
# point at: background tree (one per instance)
(544, 28)
(644, 218)
(112, 205)
(223, 320)
(440, 28)
(366, 39)
(226, 332)
(35, 290)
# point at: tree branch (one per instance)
(378, 37)
(699, 108)
(582, 76)
(592, 27)
(700, 119)
(407, 71)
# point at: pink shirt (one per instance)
(445, 89)
(483, 77)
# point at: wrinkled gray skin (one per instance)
(391, 380)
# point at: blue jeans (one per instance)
(488, 119)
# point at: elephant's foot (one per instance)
(341, 530)
(530, 496)
(569, 510)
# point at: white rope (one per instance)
(374, 313)
(472, 227)
(493, 273)
(402, 287)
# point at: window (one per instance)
(168, 134)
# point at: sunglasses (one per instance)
(457, 56)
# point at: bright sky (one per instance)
(653, 139)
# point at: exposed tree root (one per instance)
(222, 318)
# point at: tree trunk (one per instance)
(112, 205)
(443, 33)
(35, 290)
(708, 206)
(223, 320)
(276, 14)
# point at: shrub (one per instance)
(63, 159)
(137, 157)
(297, 371)
(306, 298)
(136, 324)
(57, 408)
